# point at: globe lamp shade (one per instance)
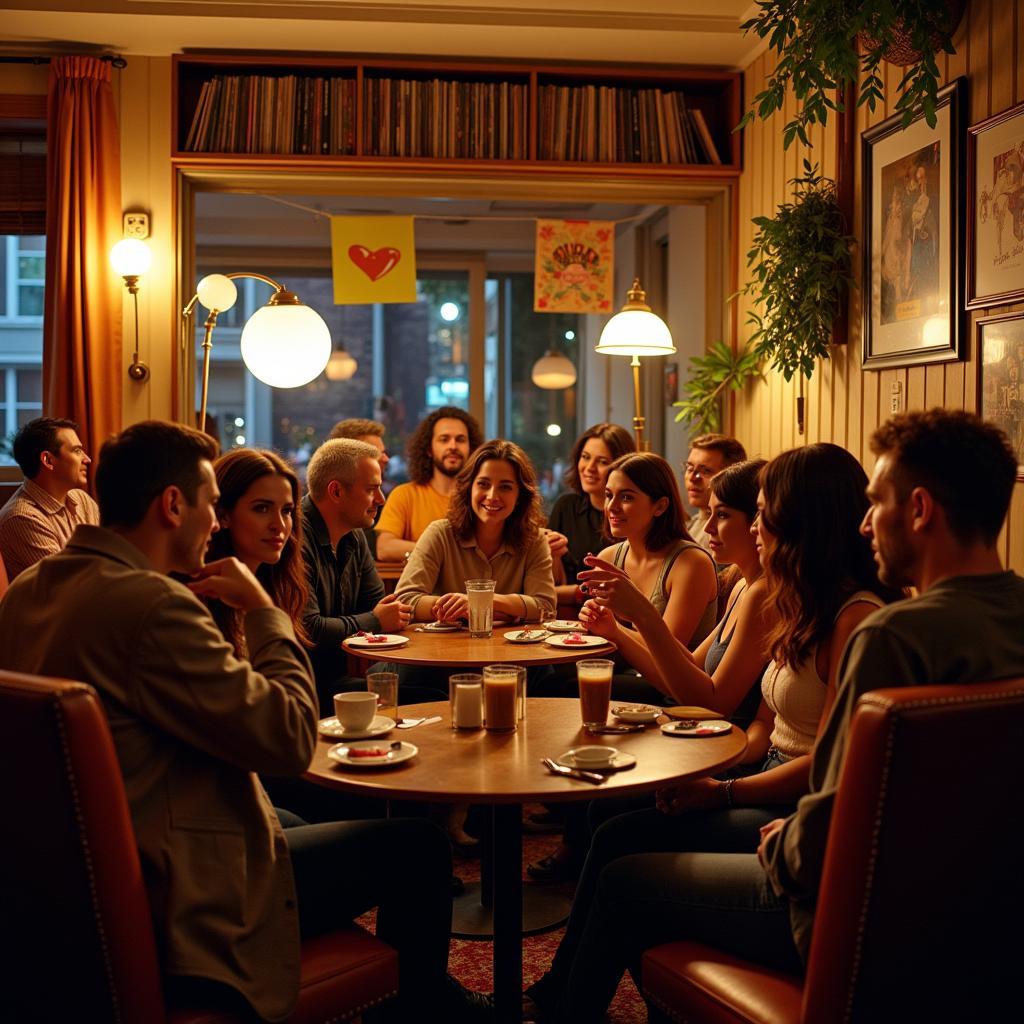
(217, 292)
(341, 366)
(285, 346)
(130, 257)
(553, 372)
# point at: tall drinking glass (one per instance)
(466, 700)
(385, 685)
(520, 673)
(501, 685)
(481, 607)
(595, 681)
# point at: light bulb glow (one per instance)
(449, 312)
(341, 366)
(554, 430)
(130, 257)
(216, 291)
(553, 371)
(285, 346)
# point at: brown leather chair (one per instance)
(75, 915)
(921, 904)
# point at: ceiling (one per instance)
(697, 32)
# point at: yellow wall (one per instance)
(844, 402)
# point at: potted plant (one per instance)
(712, 377)
(800, 276)
(817, 46)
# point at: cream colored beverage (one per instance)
(595, 682)
(480, 594)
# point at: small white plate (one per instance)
(341, 752)
(365, 644)
(527, 636)
(713, 727)
(333, 728)
(586, 641)
(618, 762)
(441, 627)
(636, 712)
(564, 626)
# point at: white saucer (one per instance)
(535, 636)
(713, 727)
(616, 764)
(340, 753)
(565, 626)
(636, 712)
(390, 640)
(380, 725)
(588, 641)
(441, 627)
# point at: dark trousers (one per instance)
(647, 854)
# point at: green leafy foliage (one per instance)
(816, 42)
(800, 274)
(711, 377)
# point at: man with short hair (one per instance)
(932, 527)
(370, 432)
(346, 594)
(709, 454)
(230, 891)
(436, 452)
(43, 512)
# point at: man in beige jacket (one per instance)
(230, 890)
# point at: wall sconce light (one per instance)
(553, 371)
(131, 258)
(636, 331)
(284, 344)
(341, 365)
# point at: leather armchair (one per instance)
(80, 942)
(922, 896)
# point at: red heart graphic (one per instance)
(374, 264)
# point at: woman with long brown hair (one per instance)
(579, 515)
(493, 531)
(261, 525)
(822, 580)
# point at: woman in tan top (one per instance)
(493, 531)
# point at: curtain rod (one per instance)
(115, 60)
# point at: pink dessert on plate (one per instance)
(575, 639)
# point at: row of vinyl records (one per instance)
(283, 114)
(603, 124)
(290, 114)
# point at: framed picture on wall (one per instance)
(1001, 377)
(995, 228)
(913, 242)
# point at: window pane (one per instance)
(31, 268)
(30, 386)
(30, 300)
(32, 243)
(24, 415)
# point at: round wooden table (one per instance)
(460, 650)
(504, 769)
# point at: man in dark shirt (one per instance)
(939, 495)
(345, 593)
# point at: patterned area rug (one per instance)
(472, 961)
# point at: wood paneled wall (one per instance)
(845, 403)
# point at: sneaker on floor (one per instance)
(460, 1005)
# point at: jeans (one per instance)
(580, 959)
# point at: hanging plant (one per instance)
(712, 377)
(800, 275)
(816, 42)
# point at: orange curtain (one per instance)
(82, 318)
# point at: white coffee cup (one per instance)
(592, 756)
(355, 710)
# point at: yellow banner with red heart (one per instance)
(373, 259)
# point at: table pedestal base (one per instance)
(543, 910)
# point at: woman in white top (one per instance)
(822, 580)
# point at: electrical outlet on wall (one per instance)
(136, 224)
(896, 397)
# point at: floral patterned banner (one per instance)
(575, 266)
